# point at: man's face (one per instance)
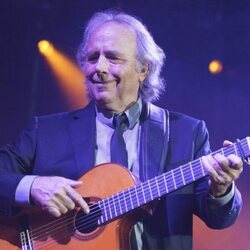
(111, 71)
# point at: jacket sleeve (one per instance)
(211, 212)
(16, 160)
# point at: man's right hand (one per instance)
(56, 195)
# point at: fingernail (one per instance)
(87, 210)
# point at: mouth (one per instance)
(103, 82)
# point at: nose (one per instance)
(102, 65)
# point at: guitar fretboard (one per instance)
(143, 193)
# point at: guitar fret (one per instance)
(114, 205)
(150, 191)
(182, 176)
(143, 194)
(109, 208)
(157, 186)
(196, 167)
(137, 199)
(235, 149)
(154, 188)
(188, 174)
(172, 172)
(179, 177)
(170, 181)
(125, 202)
(192, 172)
(165, 183)
(202, 168)
(119, 204)
(130, 198)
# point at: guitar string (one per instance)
(182, 181)
(84, 221)
(52, 243)
(180, 177)
(159, 184)
(138, 186)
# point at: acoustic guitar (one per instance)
(116, 200)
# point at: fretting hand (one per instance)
(222, 171)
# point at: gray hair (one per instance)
(148, 52)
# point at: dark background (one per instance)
(191, 32)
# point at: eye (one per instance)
(92, 58)
(115, 59)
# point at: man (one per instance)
(122, 65)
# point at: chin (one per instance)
(103, 100)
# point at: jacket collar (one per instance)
(154, 141)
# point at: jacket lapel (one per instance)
(154, 141)
(82, 130)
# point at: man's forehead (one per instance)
(114, 31)
(112, 34)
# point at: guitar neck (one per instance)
(139, 195)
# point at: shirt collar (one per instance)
(133, 115)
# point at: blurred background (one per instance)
(207, 71)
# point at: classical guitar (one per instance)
(115, 201)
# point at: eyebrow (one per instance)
(108, 52)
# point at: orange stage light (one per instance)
(45, 47)
(215, 67)
(70, 77)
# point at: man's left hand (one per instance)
(222, 170)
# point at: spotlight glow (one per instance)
(215, 67)
(45, 47)
(69, 77)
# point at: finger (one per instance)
(78, 200)
(52, 211)
(227, 143)
(223, 162)
(231, 165)
(66, 201)
(212, 168)
(73, 183)
(58, 204)
(235, 162)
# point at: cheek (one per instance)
(88, 70)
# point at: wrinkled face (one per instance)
(111, 70)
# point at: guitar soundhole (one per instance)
(86, 224)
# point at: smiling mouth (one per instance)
(105, 82)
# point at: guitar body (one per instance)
(62, 233)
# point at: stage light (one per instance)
(45, 47)
(69, 77)
(215, 67)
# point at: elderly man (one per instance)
(122, 65)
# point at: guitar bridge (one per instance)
(25, 240)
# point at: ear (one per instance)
(144, 72)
